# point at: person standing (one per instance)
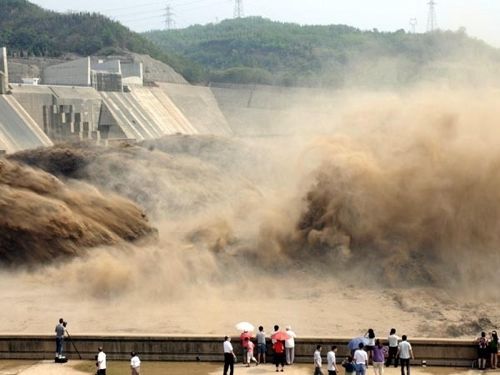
(482, 351)
(332, 361)
(261, 345)
(244, 342)
(250, 347)
(101, 362)
(350, 367)
(405, 353)
(370, 335)
(378, 357)
(276, 329)
(393, 341)
(360, 359)
(317, 361)
(290, 346)
(135, 364)
(279, 354)
(493, 349)
(229, 356)
(60, 329)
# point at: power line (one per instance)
(160, 13)
(176, 3)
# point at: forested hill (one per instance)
(262, 51)
(29, 30)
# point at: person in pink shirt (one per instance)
(245, 337)
(250, 348)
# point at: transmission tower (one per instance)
(238, 9)
(413, 25)
(431, 18)
(169, 18)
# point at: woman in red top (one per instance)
(279, 355)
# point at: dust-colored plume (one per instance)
(42, 218)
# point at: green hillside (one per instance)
(28, 30)
(262, 51)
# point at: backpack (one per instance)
(483, 344)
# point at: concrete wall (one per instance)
(81, 107)
(132, 73)
(256, 110)
(74, 112)
(4, 71)
(199, 106)
(18, 131)
(17, 71)
(111, 66)
(73, 73)
(146, 113)
(436, 352)
(104, 81)
(34, 99)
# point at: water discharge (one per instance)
(391, 209)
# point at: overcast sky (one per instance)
(479, 17)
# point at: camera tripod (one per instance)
(74, 346)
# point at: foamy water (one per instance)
(390, 219)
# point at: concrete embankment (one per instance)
(18, 131)
(438, 352)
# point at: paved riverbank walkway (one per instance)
(51, 368)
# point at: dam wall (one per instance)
(146, 113)
(18, 131)
(76, 72)
(66, 113)
(200, 107)
(255, 110)
(436, 352)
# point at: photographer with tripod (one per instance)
(60, 329)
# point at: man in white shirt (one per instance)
(405, 352)
(317, 361)
(135, 363)
(332, 361)
(290, 346)
(101, 362)
(229, 356)
(361, 360)
(393, 340)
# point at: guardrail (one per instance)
(436, 352)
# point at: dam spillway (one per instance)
(35, 116)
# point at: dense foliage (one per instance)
(262, 51)
(28, 30)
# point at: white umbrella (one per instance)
(245, 326)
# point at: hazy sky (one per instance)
(479, 17)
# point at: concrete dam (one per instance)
(101, 101)
(122, 100)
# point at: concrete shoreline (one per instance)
(436, 352)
